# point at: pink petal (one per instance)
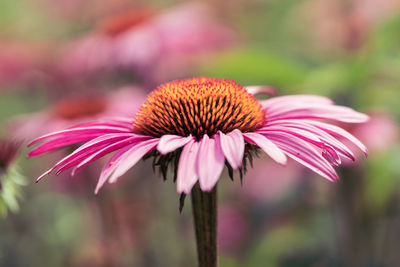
(316, 111)
(131, 157)
(255, 90)
(304, 153)
(110, 167)
(309, 137)
(267, 146)
(232, 145)
(80, 131)
(337, 131)
(290, 99)
(169, 143)
(210, 163)
(321, 134)
(93, 145)
(108, 149)
(59, 143)
(187, 175)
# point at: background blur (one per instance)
(67, 61)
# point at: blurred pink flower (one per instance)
(215, 122)
(19, 63)
(380, 133)
(76, 110)
(343, 23)
(232, 229)
(139, 39)
(269, 182)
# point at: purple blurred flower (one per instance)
(140, 39)
(200, 124)
(232, 228)
(269, 182)
(380, 133)
(345, 23)
(19, 62)
(76, 110)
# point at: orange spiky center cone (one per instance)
(199, 106)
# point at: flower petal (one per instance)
(321, 134)
(267, 146)
(169, 143)
(80, 132)
(187, 175)
(210, 163)
(108, 149)
(316, 111)
(110, 166)
(337, 131)
(131, 157)
(304, 153)
(255, 90)
(290, 99)
(232, 145)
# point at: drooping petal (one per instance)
(210, 163)
(321, 134)
(267, 146)
(80, 132)
(337, 131)
(131, 157)
(57, 143)
(309, 137)
(304, 153)
(110, 166)
(187, 174)
(232, 145)
(108, 149)
(93, 145)
(169, 143)
(316, 111)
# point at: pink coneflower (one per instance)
(140, 39)
(74, 110)
(19, 63)
(345, 23)
(199, 125)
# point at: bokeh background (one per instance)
(67, 61)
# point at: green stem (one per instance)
(205, 223)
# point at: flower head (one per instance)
(71, 111)
(141, 40)
(199, 125)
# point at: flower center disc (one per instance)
(125, 21)
(76, 108)
(198, 106)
